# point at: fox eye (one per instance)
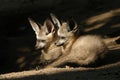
(41, 41)
(62, 37)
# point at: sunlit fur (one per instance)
(83, 50)
(45, 41)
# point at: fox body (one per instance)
(83, 50)
(45, 41)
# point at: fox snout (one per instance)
(40, 45)
(59, 43)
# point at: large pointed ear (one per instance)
(55, 20)
(34, 25)
(49, 27)
(72, 25)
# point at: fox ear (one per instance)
(55, 20)
(72, 25)
(49, 26)
(34, 25)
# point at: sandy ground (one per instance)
(104, 72)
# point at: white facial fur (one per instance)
(44, 34)
(62, 34)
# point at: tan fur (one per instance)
(111, 41)
(50, 54)
(83, 50)
(50, 51)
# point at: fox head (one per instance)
(66, 30)
(44, 33)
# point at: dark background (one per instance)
(17, 39)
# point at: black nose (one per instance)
(36, 47)
(57, 44)
(39, 48)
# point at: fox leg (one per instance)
(58, 62)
